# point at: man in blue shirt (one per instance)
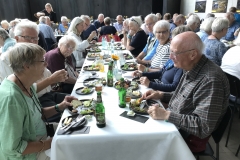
(99, 22)
(150, 49)
(119, 24)
(233, 26)
(88, 27)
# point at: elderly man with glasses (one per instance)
(88, 27)
(200, 100)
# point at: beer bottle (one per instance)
(100, 112)
(110, 75)
(122, 94)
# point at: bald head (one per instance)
(186, 50)
(101, 18)
(119, 19)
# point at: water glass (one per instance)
(118, 74)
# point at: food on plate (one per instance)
(130, 113)
(95, 49)
(67, 121)
(136, 93)
(127, 56)
(93, 55)
(74, 111)
(85, 90)
(86, 103)
(129, 66)
(127, 84)
(91, 67)
(76, 103)
(86, 111)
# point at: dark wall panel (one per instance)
(10, 9)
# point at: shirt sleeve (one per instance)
(204, 118)
(149, 56)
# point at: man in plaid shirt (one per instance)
(200, 100)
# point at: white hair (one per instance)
(161, 24)
(64, 18)
(25, 24)
(74, 23)
(207, 24)
(193, 19)
(219, 24)
(66, 39)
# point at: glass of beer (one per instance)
(98, 87)
(128, 95)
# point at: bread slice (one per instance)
(76, 103)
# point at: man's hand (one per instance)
(157, 112)
(59, 76)
(145, 81)
(151, 94)
(92, 35)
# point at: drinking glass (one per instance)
(128, 95)
(118, 74)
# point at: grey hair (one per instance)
(74, 23)
(42, 19)
(210, 15)
(4, 22)
(64, 18)
(84, 17)
(66, 39)
(180, 29)
(107, 20)
(4, 34)
(159, 15)
(161, 24)
(198, 45)
(24, 54)
(207, 24)
(136, 20)
(25, 24)
(219, 24)
(193, 19)
(153, 17)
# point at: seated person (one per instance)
(88, 27)
(232, 27)
(60, 58)
(25, 136)
(205, 28)
(99, 22)
(136, 38)
(150, 49)
(200, 100)
(214, 48)
(5, 40)
(165, 80)
(76, 28)
(119, 24)
(162, 33)
(63, 27)
(107, 29)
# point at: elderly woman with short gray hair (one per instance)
(205, 28)
(63, 27)
(5, 40)
(24, 135)
(60, 58)
(214, 48)
(136, 38)
(76, 28)
(161, 31)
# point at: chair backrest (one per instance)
(234, 83)
(218, 133)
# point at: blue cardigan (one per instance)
(168, 79)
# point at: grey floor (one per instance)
(228, 153)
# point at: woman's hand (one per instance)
(144, 81)
(137, 73)
(141, 67)
(66, 102)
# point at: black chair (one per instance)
(234, 83)
(217, 136)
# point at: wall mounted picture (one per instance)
(238, 6)
(219, 6)
(200, 6)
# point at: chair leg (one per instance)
(217, 151)
(237, 151)
(230, 126)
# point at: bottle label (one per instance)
(99, 99)
(110, 82)
(100, 118)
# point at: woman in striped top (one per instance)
(162, 33)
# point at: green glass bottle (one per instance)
(122, 94)
(110, 75)
(100, 112)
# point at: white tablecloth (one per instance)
(122, 138)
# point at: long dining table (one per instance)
(122, 138)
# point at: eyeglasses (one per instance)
(161, 32)
(175, 54)
(28, 38)
(41, 60)
(134, 21)
(69, 47)
(150, 24)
